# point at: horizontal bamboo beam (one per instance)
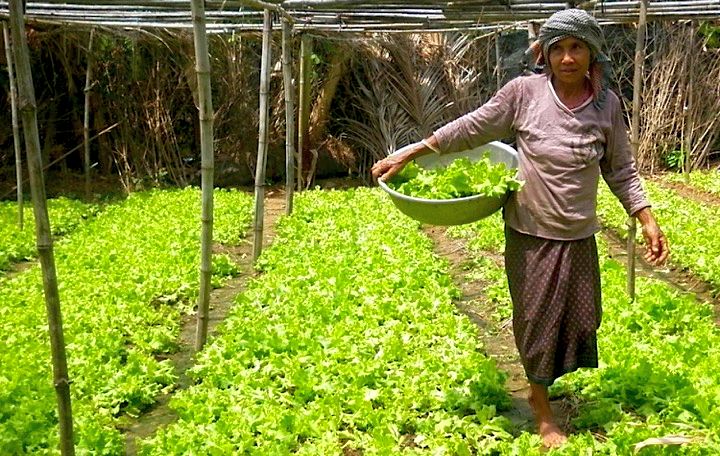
(351, 16)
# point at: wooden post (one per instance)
(289, 115)
(498, 60)
(44, 241)
(262, 135)
(86, 117)
(635, 136)
(15, 127)
(205, 112)
(687, 108)
(303, 104)
(532, 29)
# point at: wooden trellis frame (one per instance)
(346, 15)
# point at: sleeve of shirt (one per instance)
(490, 122)
(618, 166)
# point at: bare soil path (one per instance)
(221, 301)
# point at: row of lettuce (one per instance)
(18, 245)
(707, 180)
(658, 358)
(125, 276)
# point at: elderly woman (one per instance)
(569, 129)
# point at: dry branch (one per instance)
(15, 127)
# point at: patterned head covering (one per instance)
(578, 24)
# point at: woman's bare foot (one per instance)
(550, 432)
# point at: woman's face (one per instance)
(570, 60)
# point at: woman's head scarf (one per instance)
(579, 24)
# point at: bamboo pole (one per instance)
(303, 104)
(289, 116)
(345, 16)
(635, 136)
(532, 29)
(86, 117)
(205, 112)
(357, 22)
(688, 108)
(262, 135)
(498, 61)
(15, 127)
(44, 241)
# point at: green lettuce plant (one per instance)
(459, 179)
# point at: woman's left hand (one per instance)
(657, 248)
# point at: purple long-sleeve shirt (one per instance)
(561, 154)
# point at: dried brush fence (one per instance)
(145, 83)
(148, 85)
(681, 94)
(681, 100)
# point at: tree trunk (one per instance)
(320, 115)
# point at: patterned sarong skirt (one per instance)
(555, 290)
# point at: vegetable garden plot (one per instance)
(707, 181)
(349, 340)
(65, 214)
(691, 228)
(658, 359)
(124, 279)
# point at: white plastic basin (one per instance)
(455, 211)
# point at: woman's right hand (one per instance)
(388, 167)
(392, 164)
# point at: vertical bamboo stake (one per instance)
(498, 61)
(28, 110)
(687, 109)
(289, 116)
(205, 112)
(532, 32)
(303, 103)
(86, 117)
(262, 135)
(15, 127)
(635, 136)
